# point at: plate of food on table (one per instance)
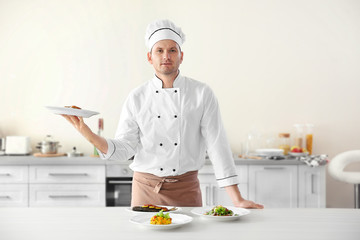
(161, 220)
(150, 208)
(220, 213)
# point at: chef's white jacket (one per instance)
(169, 130)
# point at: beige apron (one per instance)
(181, 191)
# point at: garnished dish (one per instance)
(161, 219)
(220, 211)
(153, 208)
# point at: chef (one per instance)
(168, 124)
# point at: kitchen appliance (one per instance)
(118, 184)
(17, 145)
(2, 146)
(48, 145)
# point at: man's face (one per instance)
(165, 57)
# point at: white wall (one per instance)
(271, 64)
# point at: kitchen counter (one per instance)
(240, 161)
(31, 160)
(113, 223)
(87, 160)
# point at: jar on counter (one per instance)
(299, 135)
(284, 142)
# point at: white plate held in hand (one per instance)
(72, 111)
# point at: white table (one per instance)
(113, 223)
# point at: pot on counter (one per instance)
(48, 145)
(74, 153)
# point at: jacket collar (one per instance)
(157, 82)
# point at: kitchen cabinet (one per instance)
(52, 185)
(13, 186)
(67, 195)
(213, 195)
(274, 186)
(67, 186)
(13, 195)
(312, 190)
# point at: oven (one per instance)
(118, 185)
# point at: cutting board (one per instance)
(49, 154)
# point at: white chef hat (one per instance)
(161, 30)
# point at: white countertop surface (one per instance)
(113, 223)
(31, 160)
(88, 160)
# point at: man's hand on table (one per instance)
(248, 204)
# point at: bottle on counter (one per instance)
(284, 142)
(309, 137)
(100, 129)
